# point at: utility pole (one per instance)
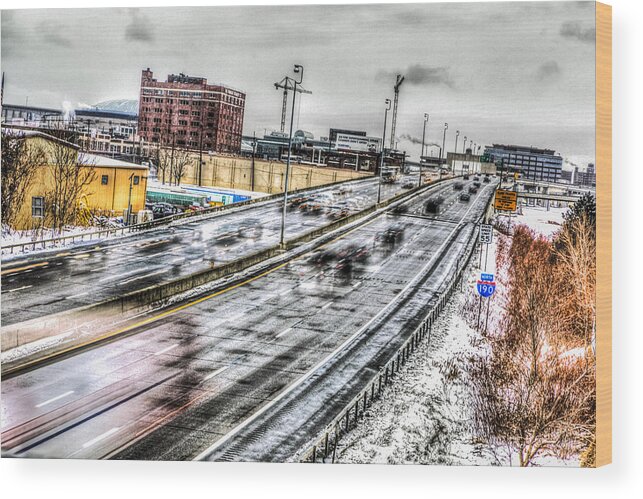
(426, 118)
(398, 82)
(379, 184)
(297, 69)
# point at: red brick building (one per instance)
(189, 113)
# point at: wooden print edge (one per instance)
(603, 234)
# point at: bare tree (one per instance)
(20, 162)
(71, 173)
(534, 394)
(182, 158)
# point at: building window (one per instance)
(136, 179)
(104, 179)
(38, 206)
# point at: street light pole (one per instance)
(297, 69)
(379, 184)
(426, 118)
(455, 149)
(444, 137)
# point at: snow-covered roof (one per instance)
(96, 160)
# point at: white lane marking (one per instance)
(167, 349)
(18, 289)
(162, 271)
(214, 373)
(327, 305)
(357, 284)
(77, 296)
(62, 395)
(285, 331)
(234, 317)
(116, 276)
(101, 437)
(99, 269)
(284, 293)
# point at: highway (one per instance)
(175, 386)
(72, 278)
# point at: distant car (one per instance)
(392, 234)
(472, 189)
(400, 209)
(476, 179)
(322, 257)
(458, 186)
(486, 179)
(465, 197)
(433, 205)
(465, 177)
(476, 185)
(250, 227)
(162, 210)
(408, 185)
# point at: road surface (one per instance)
(77, 277)
(179, 384)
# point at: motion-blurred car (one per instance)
(250, 227)
(465, 177)
(392, 234)
(322, 257)
(458, 186)
(408, 185)
(486, 179)
(433, 205)
(465, 197)
(473, 189)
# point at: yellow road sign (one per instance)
(505, 200)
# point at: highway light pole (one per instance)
(455, 149)
(444, 138)
(426, 118)
(379, 184)
(297, 70)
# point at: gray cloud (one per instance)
(547, 71)
(417, 74)
(575, 31)
(139, 29)
(52, 34)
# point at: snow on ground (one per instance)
(423, 416)
(538, 218)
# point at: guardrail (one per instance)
(324, 448)
(55, 242)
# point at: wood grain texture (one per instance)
(604, 234)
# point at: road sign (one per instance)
(486, 233)
(486, 289)
(505, 200)
(486, 277)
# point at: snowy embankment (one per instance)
(425, 416)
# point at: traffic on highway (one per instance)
(249, 372)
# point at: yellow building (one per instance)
(113, 185)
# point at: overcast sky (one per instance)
(520, 73)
